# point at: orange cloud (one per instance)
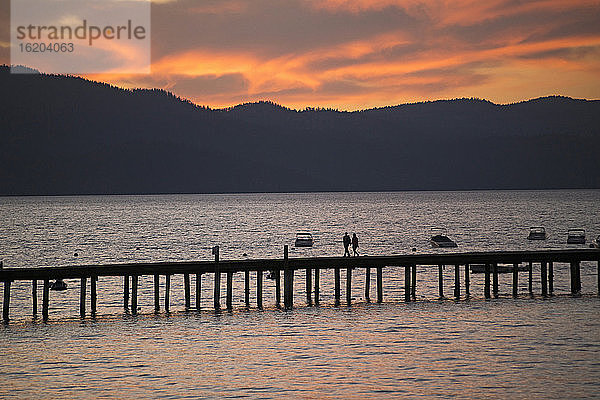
(353, 54)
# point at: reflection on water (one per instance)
(504, 348)
(513, 348)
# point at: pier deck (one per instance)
(545, 258)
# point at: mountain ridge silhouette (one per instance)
(66, 135)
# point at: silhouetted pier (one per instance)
(516, 260)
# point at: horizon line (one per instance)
(267, 101)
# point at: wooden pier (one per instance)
(312, 266)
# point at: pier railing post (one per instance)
(407, 283)
(93, 295)
(467, 280)
(544, 278)
(126, 292)
(348, 286)
(34, 297)
(156, 293)
(495, 279)
(45, 299)
(229, 297)
(441, 281)
(457, 281)
(82, 289)
(486, 284)
(336, 289)
(198, 291)
(413, 283)
(368, 284)
(186, 290)
(247, 288)
(217, 280)
(515, 276)
(6, 303)
(379, 284)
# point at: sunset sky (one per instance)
(355, 54)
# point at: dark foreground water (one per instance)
(527, 347)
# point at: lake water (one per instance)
(528, 347)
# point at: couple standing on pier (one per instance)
(348, 241)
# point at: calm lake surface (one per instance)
(529, 347)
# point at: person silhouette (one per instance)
(355, 244)
(347, 242)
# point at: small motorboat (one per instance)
(502, 269)
(537, 233)
(303, 239)
(58, 284)
(440, 239)
(576, 236)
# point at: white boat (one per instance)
(576, 236)
(537, 233)
(440, 239)
(59, 284)
(303, 239)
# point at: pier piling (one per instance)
(247, 289)
(348, 285)
(34, 297)
(336, 289)
(198, 291)
(277, 288)
(288, 280)
(6, 302)
(82, 297)
(530, 282)
(259, 289)
(229, 296)
(495, 279)
(93, 295)
(186, 290)
(217, 281)
(368, 284)
(379, 284)
(486, 284)
(457, 281)
(544, 278)
(413, 281)
(577, 276)
(467, 280)
(515, 280)
(156, 293)
(134, 291)
(45, 299)
(407, 283)
(309, 286)
(167, 292)
(126, 292)
(441, 281)
(551, 278)
(317, 286)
